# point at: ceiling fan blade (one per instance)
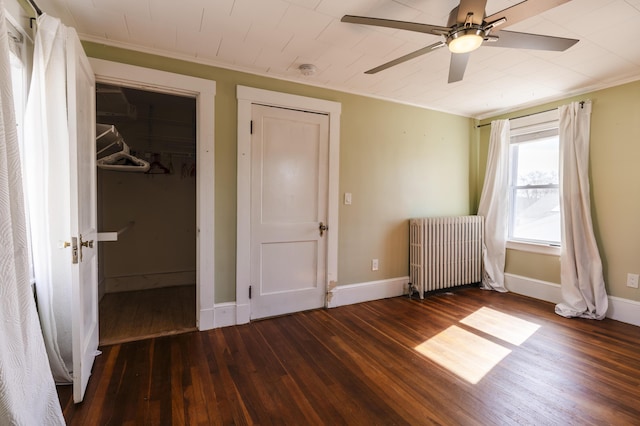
(407, 57)
(531, 41)
(457, 66)
(474, 7)
(400, 25)
(524, 10)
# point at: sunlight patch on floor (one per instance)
(503, 326)
(471, 356)
(463, 353)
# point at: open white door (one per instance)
(82, 212)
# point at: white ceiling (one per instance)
(274, 37)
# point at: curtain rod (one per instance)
(528, 115)
(35, 7)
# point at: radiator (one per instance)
(445, 252)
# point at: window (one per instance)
(534, 193)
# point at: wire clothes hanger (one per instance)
(157, 168)
(123, 161)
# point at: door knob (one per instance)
(322, 228)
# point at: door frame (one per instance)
(246, 97)
(204, 92)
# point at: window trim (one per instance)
(534, 247)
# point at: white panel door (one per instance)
(289, 194)
(83, 212)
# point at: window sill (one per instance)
(534, 248)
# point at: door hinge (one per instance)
(250, 287)
(251, 127)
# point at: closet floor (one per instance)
(142, 314)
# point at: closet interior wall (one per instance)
(155, 211)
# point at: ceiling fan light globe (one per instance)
(466, 39)
(465, 43)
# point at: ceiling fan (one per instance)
(468, 28)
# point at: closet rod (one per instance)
(528, 115)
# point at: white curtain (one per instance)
(45, 124)
(27, 391)
(581, 277)
(493, 206)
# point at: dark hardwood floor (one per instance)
(373, 363)
(141, 314)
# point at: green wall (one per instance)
(398, 162)
(615, 188)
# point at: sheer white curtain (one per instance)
(581, 277)
(27, 392)
(46, 123)
(493, 206)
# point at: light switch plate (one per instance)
(347, 198)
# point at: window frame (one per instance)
(535, 126)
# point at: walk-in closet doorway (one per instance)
(146, 150)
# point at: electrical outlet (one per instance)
(374, 265)
(632, 280)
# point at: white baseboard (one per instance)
(623, 310)
(230, 313)
(225, 314)
(365, 292)
(243, 313)
(206, 319)
(541, 290)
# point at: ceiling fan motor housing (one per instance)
(466, 38)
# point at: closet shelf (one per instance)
(121, 160)
(107, 135)
(113, 236)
